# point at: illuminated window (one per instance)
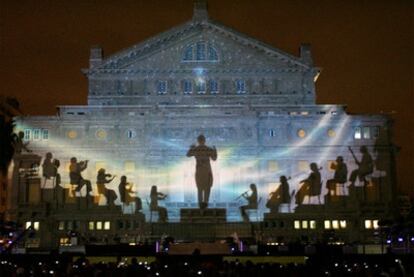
(188, 87)
(201, 87)
(331, 133)
(162, 87)
(61, 225)
(91, 225)
(107, 225)
(129, 166)
(303, 165)
(213, 86)
(64, 241)
(36, 134)
(371, 224)
(312, 224)
(272, 166)
(357, 133)
(45, 134)
(32, 224)
(101, 134)
(367, 133)
(72, 134)
(99, 225)
(27, 133)
(240, 86)
(69, 225)
(272, 132)
(296, 224)
(304, 224)
(301, 133)
(335, 224)
(200, 51)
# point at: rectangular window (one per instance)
(36, 225)
(201, 51)
(91, 225)
(64, 241)
(303, 165)
(69, 225)
(272, 166)
(45, 134)
(188, 87)
(304, 224)
(375, 132)
(213, 87)
(61, 225)
(272, 132)
(27, 134)
(99, 225)
(201, 87)
(296, 224)
(335, 224)
(368, 224)
(312, 224)
(107, 225)
(357, 133)
(375, 224)
(342, 224)
(162, 87)
(36, 134)
(367, 133)
(327, 224)
(129, 166)
(240, 86)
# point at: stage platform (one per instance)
(203, 215)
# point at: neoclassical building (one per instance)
(255, 103)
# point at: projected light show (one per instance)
(201, 133)
(246, 154)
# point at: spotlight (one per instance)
(400, 239)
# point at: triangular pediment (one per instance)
(166, 51)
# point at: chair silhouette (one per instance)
(151, 211)
(315, 192)
(255, 210)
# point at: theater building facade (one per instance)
(148, 103)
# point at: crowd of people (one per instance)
(207, 266)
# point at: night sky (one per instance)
(365, 49)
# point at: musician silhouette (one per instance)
(50, 169)
(75, 175)
(252, 202)
(203, 174)
(311, 185)
(155, 196)
(125, 191)
(101, 180)
(365, 166)
(280, 196)
(340, 175)
(19, 145)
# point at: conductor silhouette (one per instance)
(203, 173)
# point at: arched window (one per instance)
(200, 51)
